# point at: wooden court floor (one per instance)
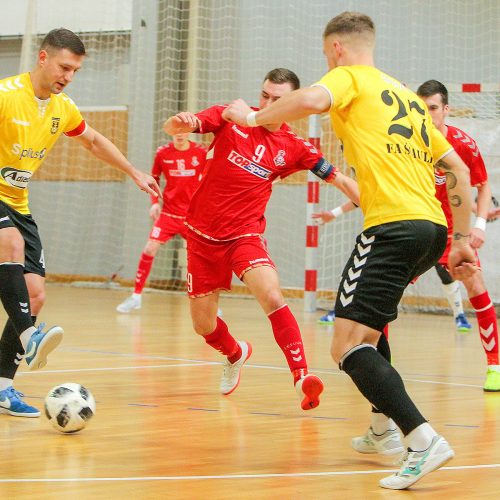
(163, 431)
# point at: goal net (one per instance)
(149, 60)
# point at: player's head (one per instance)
(277, 83)
(60, 57)
(435, 96)
(347, 38)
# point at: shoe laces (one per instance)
(12, 393)
(40, 328)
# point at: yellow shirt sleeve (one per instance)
(341, 85)
(75, 118)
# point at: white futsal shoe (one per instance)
(388, 443)
(130, 303)
(417, 464)
(232, 371)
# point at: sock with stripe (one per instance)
(288, 337)
(221, 340)
(488, 327)
(143, 270)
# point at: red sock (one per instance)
(287, 335)
(221, 340)
(143, 270)
(488, 329)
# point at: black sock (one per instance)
(14, 296)
(382, 385)
(384, 349)
(11, 350)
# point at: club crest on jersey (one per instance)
(194, 161)
(279, 159)
(16, 178)
(249, 166)
(55, 125)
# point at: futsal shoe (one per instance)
(328, 318)
(232, 371)
(12, 404)
(130, 303)
(417, 464)
(462, 324)
(492, 383)
(309, 387)
(41, 344)
(388, 443)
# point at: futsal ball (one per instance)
(69, 407)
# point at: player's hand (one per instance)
(462, 261)
(323, 217)
(185, 122)
(237, 112)
(477, 237)
(146, 183)
(493, 214)
(155, 211)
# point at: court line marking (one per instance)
(232, 476)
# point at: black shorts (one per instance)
(34, 261)
(385, 260)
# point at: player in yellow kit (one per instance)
(388, 138)
(34, 112)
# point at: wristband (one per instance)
(480, 223)
(251, 121)
(337, 211)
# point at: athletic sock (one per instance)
(382, 385)
(11, 351)
(488, 327)
(143, 270)
(452, 293)
(5, 383)
(380, 423)
(287, 335)
(420, 438)
(384, 350)
(221, 340)
(14, 295)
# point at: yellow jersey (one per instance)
(389, 140)
(29, 128)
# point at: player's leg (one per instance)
(208, 272)
(488, 328)
(264, 284)
(392, 254)
(451, 290)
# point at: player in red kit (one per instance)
(226, 224)
(435, 95)
(181, 162)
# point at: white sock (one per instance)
(5, 382)
(137, 296)
(380, 423)
(420, 438)
(26, 335)
(452, 292)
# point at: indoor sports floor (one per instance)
(162, 430)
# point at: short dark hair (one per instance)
(283, 75)
(61, 38)
(432, 87)
(349, 23)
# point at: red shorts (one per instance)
(211, 264)
(166, 227)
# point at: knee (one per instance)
(273, 300)
(204, 324)
(151, 248)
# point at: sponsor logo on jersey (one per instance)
(182, 173)
(55, 125)
(22, 152)
(440, 179)
(239, 132)
(279, 159)
(15, 177)
(249, 166)
(194, 161)
(21, 122)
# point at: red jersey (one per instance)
(242, 163)
(182, 171)
(467, 149)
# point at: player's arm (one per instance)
(181, 123)
(156, 170)
(462, 258)
(482, 209)
(105, 150)
(292, 106)
(326, 216)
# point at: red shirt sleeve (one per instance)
(211, 119)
